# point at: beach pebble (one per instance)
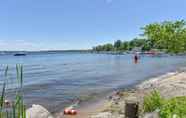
(38, 111)
(8, 103)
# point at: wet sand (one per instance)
(170, 85)
(87, 110)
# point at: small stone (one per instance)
(38, 111)
(8, 103)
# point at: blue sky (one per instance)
(79, 24)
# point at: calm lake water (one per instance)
(54, 80)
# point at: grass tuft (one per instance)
(153, 101)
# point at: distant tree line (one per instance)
(121, 45)
(169, 36)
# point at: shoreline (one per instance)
(103, 104)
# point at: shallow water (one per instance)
(54, 80)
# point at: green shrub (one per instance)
(153, 101)
(174, 106)
(167, 108)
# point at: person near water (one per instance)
(136, 58)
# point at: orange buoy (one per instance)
(67, 111)
(73, 112)
(70, 112)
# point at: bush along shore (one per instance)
(159, 97)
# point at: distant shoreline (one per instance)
(88, 51)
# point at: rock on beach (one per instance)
(38, 111)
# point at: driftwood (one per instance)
(131, 109)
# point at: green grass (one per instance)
(167, 108)
(17, 108)
(153, 101)
(174, 106)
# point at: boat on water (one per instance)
(20, 54)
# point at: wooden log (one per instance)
(131, 109)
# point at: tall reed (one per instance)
(16, 108)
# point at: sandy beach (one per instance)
(88, 110)
(169, 85)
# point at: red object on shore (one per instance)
(73, 112)
(66, 111)
(70, 112)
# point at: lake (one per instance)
(54, 80)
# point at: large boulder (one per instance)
(38, 111)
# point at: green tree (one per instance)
(108, 47)
(98, 48)
(167, 35)
(124, 46)
(146, 46)
(117, 44)
(137, 42)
